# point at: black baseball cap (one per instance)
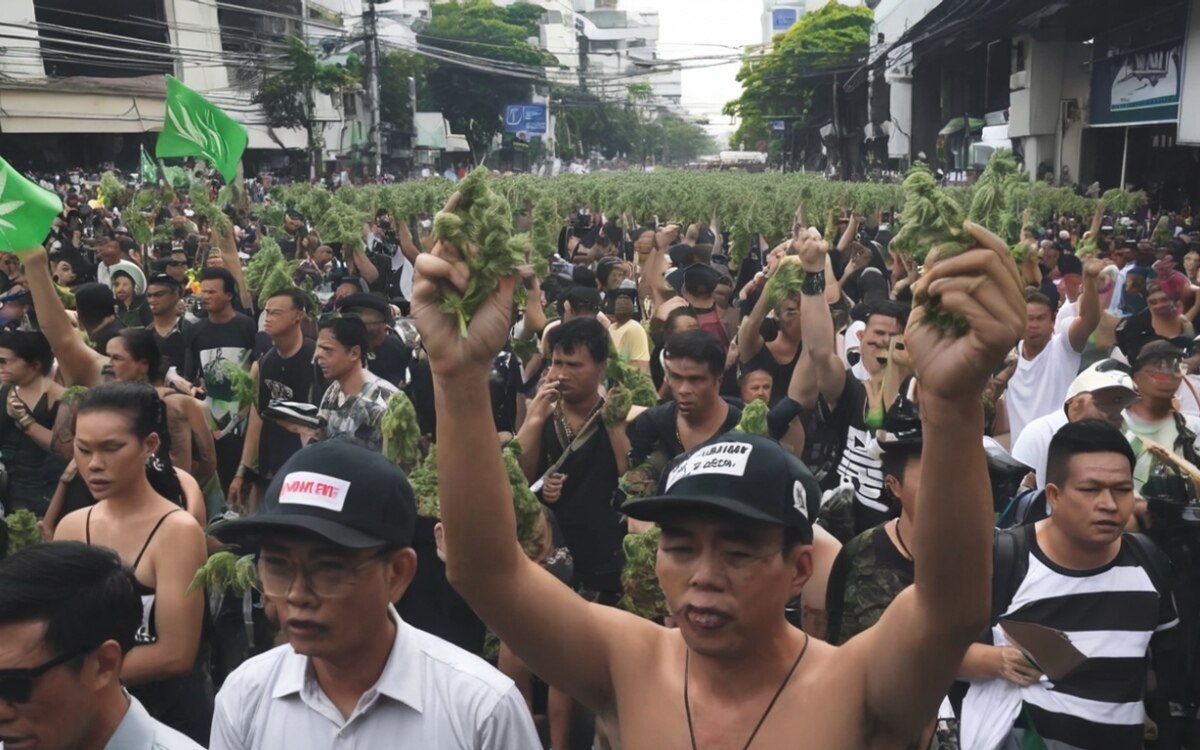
(338, 490)
(1155, 351)
(364, 301)
(162, 279)
(743, 475)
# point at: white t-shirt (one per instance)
(1033, 446)
(1039, 385)
(1066, 314)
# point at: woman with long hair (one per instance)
(118, 432)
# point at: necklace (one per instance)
(900, 539)
(560, 414)
(687, 706)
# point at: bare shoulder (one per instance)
(71, 527)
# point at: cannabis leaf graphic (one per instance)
(201, 131)
(7, 207)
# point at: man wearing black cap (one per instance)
(335, 551)
(388, 355)
(733, 549)
(169, 327)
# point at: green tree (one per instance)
(781, 82)
(683, 141)
(287, 89)
(395, 68)
(474, 100)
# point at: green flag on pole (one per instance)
(194, 126)
(27, 211)
(149, 169)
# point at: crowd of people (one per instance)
(979, 535)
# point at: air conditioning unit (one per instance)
(1018, 81)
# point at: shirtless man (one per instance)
(725, 578)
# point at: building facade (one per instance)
(80, 88)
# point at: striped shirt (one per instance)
(1111, 615)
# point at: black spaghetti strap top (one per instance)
(142, 589)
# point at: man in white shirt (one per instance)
(68, 616)
(1047, 362)
(335, 536)
(111, 252)
(1099, 392)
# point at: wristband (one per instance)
(814, 284)
(241, 471)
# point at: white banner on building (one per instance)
(1189, 102)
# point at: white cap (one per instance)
(1092, 380)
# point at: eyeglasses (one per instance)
(1170, 365)
(327, 579)
(16, 685)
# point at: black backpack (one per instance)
(1010, 563)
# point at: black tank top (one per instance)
(146, 633)
(291, 379)
(182, 703)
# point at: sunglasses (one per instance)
(16, 685)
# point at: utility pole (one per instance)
(412, 103)
(374, 131)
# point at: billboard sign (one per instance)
(1139, 88)
(525, 118)
(783, 19)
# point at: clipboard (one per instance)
(1050, 650)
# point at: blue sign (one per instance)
(778, 125)
(525, 118)
(783, 19)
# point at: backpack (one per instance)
(1026, 507)
(1010, 563)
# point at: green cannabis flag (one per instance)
(27, 211)
(194, 126)
(149, 169)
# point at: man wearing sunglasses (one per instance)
(68, 615)
(335, 550)
(177, 265)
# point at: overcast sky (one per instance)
(687, 27)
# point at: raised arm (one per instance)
(816, 326)
(1089, 306)
(230, 255)
(407, 246)
(654, 273)
(565, 640)
(749, 335)
(77, 362)
(911, 656)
